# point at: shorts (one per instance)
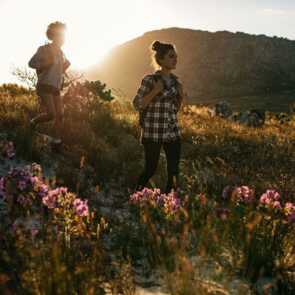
(42, 89)
(50, 100)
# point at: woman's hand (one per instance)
(158, 87)
(66, 65)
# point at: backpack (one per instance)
(48, 56)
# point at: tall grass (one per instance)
(101, 149)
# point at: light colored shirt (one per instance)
(50, 63)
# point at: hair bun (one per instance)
(156, 45)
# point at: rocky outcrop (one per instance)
(250, 118)
(223, 109)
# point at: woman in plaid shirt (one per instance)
(158, 100)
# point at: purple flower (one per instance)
(263, 199)
(244, 194)
(34, 180)
(50, 199)
(15, 225)
(174, 201)
(34, 232)
(2, 188)
(36, 169)
(21, 185)
(146, 195)
(272, 194)
(24, 201)
(63, 190)
(157, 191)
(42, 190)
(270, 199)
(81, 207)
(289, 208)
(2, 184)
(170, 203)
(134, 198)
(277, 205)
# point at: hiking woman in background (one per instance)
(51, 65)
(158, 101)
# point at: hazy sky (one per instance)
(95, 26)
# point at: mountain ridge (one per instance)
(212, 65)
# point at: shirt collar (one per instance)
(158, 72)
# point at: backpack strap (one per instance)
(158, 76)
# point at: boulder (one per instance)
(223, 109)
(252, 118)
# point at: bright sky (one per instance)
(95, 26)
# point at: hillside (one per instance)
(77, 207)
(213, 66)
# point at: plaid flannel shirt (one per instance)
(159, 119)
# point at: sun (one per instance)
(85, 57)
(83, 48)
(90, 36)
(93, 28)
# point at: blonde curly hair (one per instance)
(53, 28)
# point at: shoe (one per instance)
(33, 124)
(56, 141)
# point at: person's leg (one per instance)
(151, 154)
(172, 151)
(58, 122)
(49, 110)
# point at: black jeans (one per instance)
(152, 153)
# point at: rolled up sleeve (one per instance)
(144, 89)
(66, 64)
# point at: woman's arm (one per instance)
(66, 64)
(157, 88)
(146, 92)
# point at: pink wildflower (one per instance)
(81, 207)
(270, 199)
(244, 194)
